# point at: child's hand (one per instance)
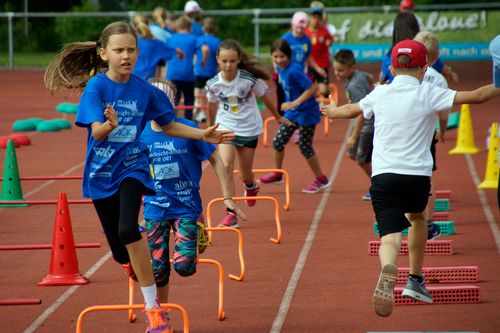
(210, 134)
(284, 121)
(235, 208)
(328, 110)
(289, 105)
(332, 100)
(180, 53)
(111, 116)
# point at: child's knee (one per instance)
(187, 268)
(307, 151)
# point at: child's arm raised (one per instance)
(308, 93)
(210, 134)
(223, 176)
(101, 130)
(480, 95)
(346, 111)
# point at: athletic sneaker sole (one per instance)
(383, 296)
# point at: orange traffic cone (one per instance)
(465, 138)
(491, 175)
(63, 270)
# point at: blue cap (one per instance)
(495, 54)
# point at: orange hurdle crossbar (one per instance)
(240, 250)
(286, 206)
(276, 240)
(183, 312)
(220, 308)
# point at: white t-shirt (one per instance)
(434, 78)
(238, 110)
(404, 124)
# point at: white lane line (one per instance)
(484, 201)
(57, 303)
(301, 261)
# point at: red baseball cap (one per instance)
(412, 48)
(406, 5)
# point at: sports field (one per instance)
(320, 278)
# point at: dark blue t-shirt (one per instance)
(177, 168)
(294, 82)
(210, 68)
(177, 69)
(151, 52)
(120, 154)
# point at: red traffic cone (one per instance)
(63, 270)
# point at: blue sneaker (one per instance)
(367, 197)
(433, 231)
(417, 291)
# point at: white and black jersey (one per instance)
(238, 110)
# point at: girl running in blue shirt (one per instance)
(302, 110)
(114, 108)
(177, 168)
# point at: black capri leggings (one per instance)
(119, 216)
(306, 135)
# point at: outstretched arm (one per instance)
(271, 106)
(210, 134)
(223, 176)
(308, 93)
(346, 111)
(480, 95)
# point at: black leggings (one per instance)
(306, 135)
(119, 216)
(186, 89)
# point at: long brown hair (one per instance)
(245, 62)
(73, 66)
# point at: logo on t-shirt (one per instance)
(166, 171)
(103, 152)
(123, 134)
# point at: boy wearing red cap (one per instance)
(405, 115)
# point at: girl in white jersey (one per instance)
(232, 94)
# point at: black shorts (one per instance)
(433, 153)
(245, 141)
(393, 195)
(363, 148)
(201, 81)
(315, 77)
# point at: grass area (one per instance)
(26, 59)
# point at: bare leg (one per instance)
(389, 249)
(245, 164)
(140, 258)
(313, 162)
(417, 238)
(163, 294)
(227, 153)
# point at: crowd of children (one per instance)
(138, 147)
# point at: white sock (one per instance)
(150, 295)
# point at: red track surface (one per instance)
(333, 291)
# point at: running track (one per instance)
(320, 279)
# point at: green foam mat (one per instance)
(442, 205)
(446, 228)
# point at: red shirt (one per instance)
(321, 41)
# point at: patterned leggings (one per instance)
(306, 135)
(185, 250)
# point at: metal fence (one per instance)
(257, 17)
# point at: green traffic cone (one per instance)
(11, 184)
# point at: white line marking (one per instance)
(484, 201)
(57, 303)
(301, 261)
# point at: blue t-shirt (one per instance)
(177, 69)
(210, 68)
(120, 154)
(196, 28)
(301, 48)
(160, 33)
(151, 52)
(387, 76)
(294, 82)
(176, 164)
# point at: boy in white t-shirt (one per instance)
(405, 113)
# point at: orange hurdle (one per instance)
(286, 206)
(183, 312)
(240, 250)
(276, 240)
(220, 311)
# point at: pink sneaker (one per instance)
(230, 220)
(271, 178)
(251, 193)
(317, 185)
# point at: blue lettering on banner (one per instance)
(447, 51)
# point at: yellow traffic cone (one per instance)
(491, 175)
(465, 139)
